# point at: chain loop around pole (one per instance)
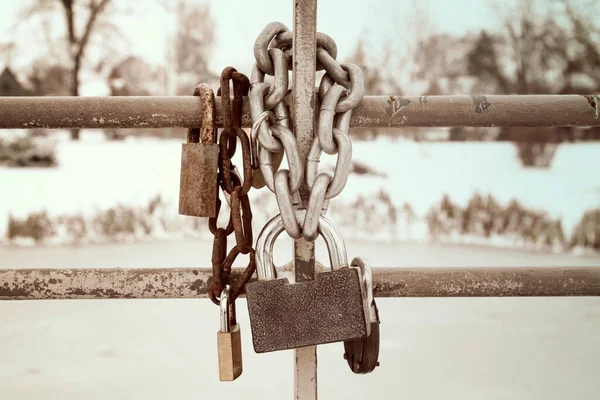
(261, 46)
(341, 89)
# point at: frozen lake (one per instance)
(535, 348)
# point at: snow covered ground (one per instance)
(446, 349)
(95, 174)
(507, 348)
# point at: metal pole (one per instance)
(192, 283)
(303, 117)
(373, 112)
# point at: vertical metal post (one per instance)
(303, 104)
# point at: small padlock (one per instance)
(362, 354)
(229, 341)
(199, 162)
(331, 308)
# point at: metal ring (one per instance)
(261, 45)
(225, 161)
(342, 121)
(257, 75)
(325, 128)
(356, 88)
(265, 136)
(333, 68)
(342, 165)
(254, 135)
(292, 154)
(284, 40)
(280, 85)
(282, 115)
(312, 162)
(315, 204)
(285, 204)
(281, 118)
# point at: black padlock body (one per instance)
(362, 355)
(325, 310)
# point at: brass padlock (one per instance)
(229, 341)
(199, 162)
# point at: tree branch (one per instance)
(70, 16)
(95, 11)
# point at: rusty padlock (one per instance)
(199, 162)
(331, 308)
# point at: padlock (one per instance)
(330, 308)
(362, 354)
(229, 341)
(199, 162)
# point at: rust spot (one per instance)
(77, 292)
(395, 105)
(481, 104)
(13, 292)
(197, 286)
(594, 102)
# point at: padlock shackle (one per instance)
(367, 283)
(207, 132)
(265, 243)
(224, 310)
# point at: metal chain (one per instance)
(240, 217)
(341, 89)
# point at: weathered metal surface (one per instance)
(487, 282)
(164, 283)
(198, 179)
(373, 111)
(324, 310)
(304, 55)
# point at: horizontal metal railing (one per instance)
(374, 111)
(162, 283)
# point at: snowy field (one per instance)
(446, 349)
(538, 348)
(95, 174)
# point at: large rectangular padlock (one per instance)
(199, 162)
(331, 308)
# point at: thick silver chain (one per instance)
(341, 90)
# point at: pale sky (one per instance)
(238, 22)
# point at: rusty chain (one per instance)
(341, 89)
(240, 216)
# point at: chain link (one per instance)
(344, 158)
(341, 89)
(240, 214)
(356, 87)
(261, 46)
(284, 41)
(292, 153)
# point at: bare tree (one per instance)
(193, 43)
(82, 21)
(546, 48)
